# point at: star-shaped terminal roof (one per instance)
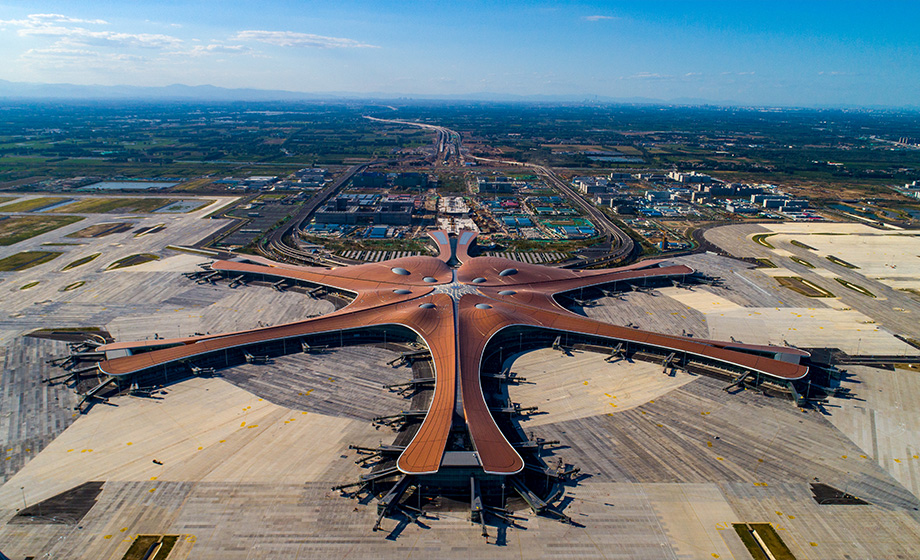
(456, 311)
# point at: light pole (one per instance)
(23, 488)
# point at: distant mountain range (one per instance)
(206, 93)
(177, 92)
(181, 92)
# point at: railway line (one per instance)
(622, 246)
(448, 147)
(276, 245)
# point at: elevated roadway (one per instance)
(622, 246)
(448, 142)
(276, 244)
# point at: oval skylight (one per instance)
(483, 306)
(507, 293)
(402, 292)
(508, 272)
(430, 280)
(479, 280)
(401, 271)
(427, 305)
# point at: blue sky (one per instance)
(749, 52)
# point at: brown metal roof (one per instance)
(488, 295)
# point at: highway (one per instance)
(447, 141)
(622, 246)
(276, 245)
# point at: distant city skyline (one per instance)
(749, 53)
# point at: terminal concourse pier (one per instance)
(640, 435)
(462, 315)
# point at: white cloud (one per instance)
(215, 48)
(57, 26)
(79, 53)
(649, 76)
(598, 18)
(294, 39)
(81, 36)
(37, 20)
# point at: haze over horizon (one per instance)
(777, 53)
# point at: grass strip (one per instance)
(193, 250)
(854, 287)
(801, 245)
(841, 262)
(140, 546)
(132, 260)
(80, 262)
(30, 204)
(101, 230)
(105, 205)
(766, 263)
(143, 543)
(802, 262)
(761, 239)
(169, 541)
(750, 543)
(149, 230)
(19, 228)
(26, 259)
(768, 537)
(188, 205)
(802, 286)
(194, 184)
